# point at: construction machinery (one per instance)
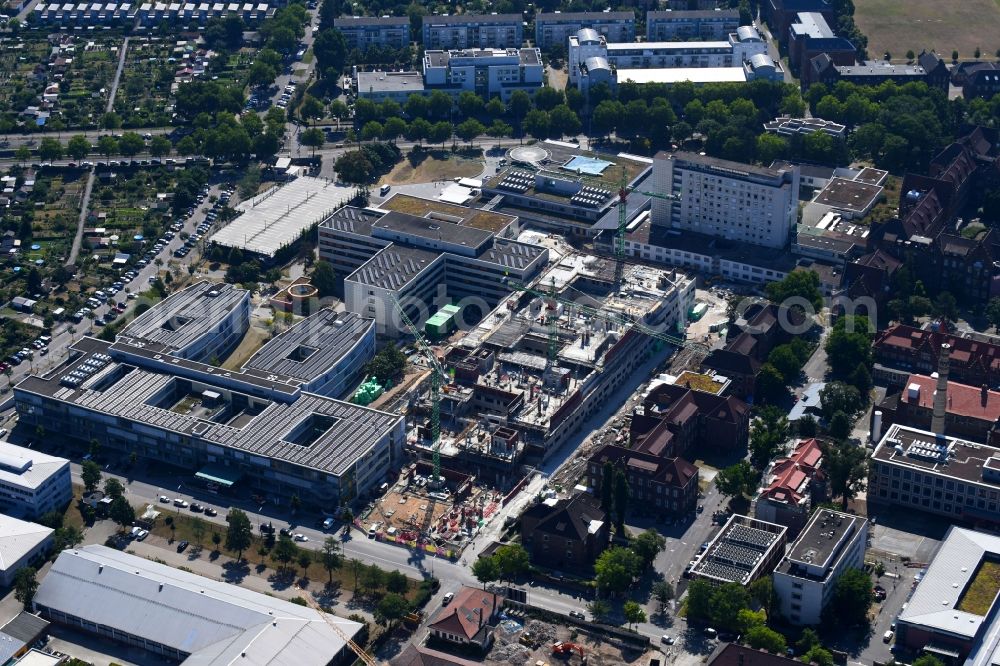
(566, 647)
(365, 658)
(623, 193)
(438, 377)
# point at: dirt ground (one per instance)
(252, 341)
(901, 25)
(508, 651)
(436, 165)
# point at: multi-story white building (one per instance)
(423, 263)
(737, 48)
(467, 31)
(32, 483)
(364, 32)
(555, 28)
(938, 474)
(709, 24)
(731, 200)
(830, 545)
(486, 72)
(21, 544)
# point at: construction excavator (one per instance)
(565, 648)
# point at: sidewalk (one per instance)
(225, 569)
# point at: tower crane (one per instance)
(366, 658)
(438, 377)
(623, 193)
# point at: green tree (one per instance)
(159, 146)
(663, 592)
(993, 311)
(305, 558)
(647, 546)
(372, 131)
(727, 602)
(616, 568)
(387, 364)
(22, 154)
(848, 344)
(314, 138)
(90, 474)
(198, 530)
(599, 609)
(50, 149)
(25, 585)
(771, 383)
(131, 144)
(800, 285)
(808, 639)
(285, 551)
(699, 601)
(67, 536)
(762, 638)
(486, 570)
(851, 598)
(216, 540)
(324, 278)
(78, 147)
(470, 104)
(807, 426)
(840, 397)
(393, 129)
(438, 132)
(846, 468)
(468, 130)
(767, 434)
(121, 512)
(330, 51)
(113, 488)
(107, 146)
(928, 659)
(495, 107)
(564, 121)
(547, 98)
(397, 582)
(818, 656)
(537, 124)
(840, 426)
(239, 533)
(311, 109)
(392, 607)
(372, 578)
(945, 306)
(499, 129)
(736, 480)
(330, 556)
(512, 561)
(633, 612)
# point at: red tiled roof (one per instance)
(462, 615)
(963, 400)
(790, 474)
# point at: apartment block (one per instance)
(680, 25)
(729, 200)
(32, 483)
(364, 32)
(486, 72)
(555, 28)
(473, 31)
(830, 545)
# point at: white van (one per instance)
(384, 190)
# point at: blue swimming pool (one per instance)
(588, 165)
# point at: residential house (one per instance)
(908, 349)
(566, 534)
(672, 419)
(469, 618)
(791, 486)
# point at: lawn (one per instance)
(434, 165)
(898, 26)
(982, 591)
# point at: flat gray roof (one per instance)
(432, 229)
(592, 17)
(371, 82)
(817, 544)
(736, 169)
(313, 346)
(960, 459)
(352, 220)
(129, 392)
(358, 21)
(277, 217)
(682, 15)
(184, 316)
(213, 622)
(394, 267)
(27, 468)
(455, 19)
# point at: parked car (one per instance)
(164, 499)
(448, 598)
(181, 503)
(182, 546)
(197, 508)
(209, 511)
(298, 536)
